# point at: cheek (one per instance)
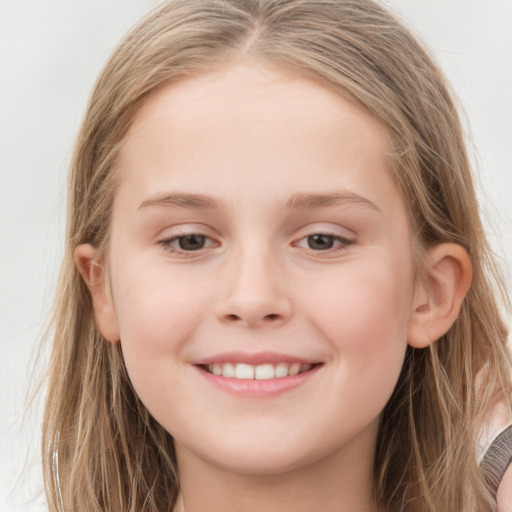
(364, 315)
(158, 315)
(362, 304)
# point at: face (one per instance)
(261, 268)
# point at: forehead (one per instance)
(249, 88)
(258, 127)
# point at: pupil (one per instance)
(191, 242)
(320, 242)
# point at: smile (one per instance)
(245, 371)
(257, 375)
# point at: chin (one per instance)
(261, 464)
(262, 457)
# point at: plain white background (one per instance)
(50, 55)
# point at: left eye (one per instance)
(187, 243)
(324, 242)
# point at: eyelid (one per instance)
(166, 242)
(170, 239)
(343, 239)
(344, 242)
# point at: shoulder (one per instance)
(495, 453)
(505, 492)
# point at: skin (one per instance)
(252, 138)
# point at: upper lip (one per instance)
(254, 359)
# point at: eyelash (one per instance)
(167, 243)
(344, 243)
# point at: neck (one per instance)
(338, 482)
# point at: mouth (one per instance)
(244, 371)
(261, 375)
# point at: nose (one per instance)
(254, 292)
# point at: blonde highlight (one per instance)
(110, 453)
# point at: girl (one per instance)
(277, 293)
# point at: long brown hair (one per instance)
(102, 449)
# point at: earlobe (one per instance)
(437, 302)
(92, 271)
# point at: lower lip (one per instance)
(258, 388)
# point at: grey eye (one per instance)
(320, 242)
(191, 242)
(186, 244)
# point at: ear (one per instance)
(92, 272)
(437, 302)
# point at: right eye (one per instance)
(187, 243)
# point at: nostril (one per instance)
(267, 318)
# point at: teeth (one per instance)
(228, 370)
(265, 371)
(281, 370)
(294, 369)
(244, 371)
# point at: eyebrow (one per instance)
(183, 200)
(295, 202)
(299, 200)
